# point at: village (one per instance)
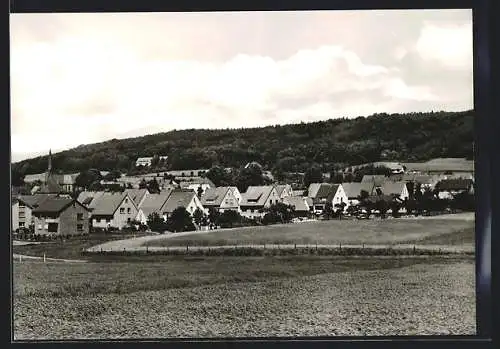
(184, 200)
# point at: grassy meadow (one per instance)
(374, 232)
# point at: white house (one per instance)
(256, 199)
(181, 198)
(221, 199)
(146, 161)
(22, 209)
(113, 210)
(398, 189)
(195, 184)
(338, 196)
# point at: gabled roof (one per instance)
(197, 180)
(393, 188)
(136, 194)
(178, 198)
(256, 196)
(51, 186)
(281, 188)
(33, 201)
(333, 190)
(89, 198)
(353, 189)
(154, 202)
(454, 184)
(313, 190)
(300, 203)
(108, 203)
(214, 196)
(55, 205)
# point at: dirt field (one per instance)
(214, 297)
(446, 231)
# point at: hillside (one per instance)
(403, 137)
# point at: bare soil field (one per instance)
(234, 297)
(446, 231)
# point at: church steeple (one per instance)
(49, 168)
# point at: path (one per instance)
(22, 257)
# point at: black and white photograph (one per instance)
(247, 174)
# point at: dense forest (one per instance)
(328, 144)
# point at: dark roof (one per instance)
(34, 201)
(154, 202)
(107, 203)
(177, 198)
(55, 205)
(256, 196)
(454, 184)
(353, 189)
(136, 194)
(214, 196)
(298, 202)
(51, 185)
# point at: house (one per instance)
(153, 203)
(196, 184)
(222, 199)
(113, 210)
(181, 198)
(61, 216)
(299, 204)
(138, 195)
(256, 199)
(146, 161)
(22, 208)
(323, 193)
(395, 189)
(353, 190)
(284, 191)
(447, 188)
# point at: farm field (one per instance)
(375, 232)
(212, 297)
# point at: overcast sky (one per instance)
(83, 78)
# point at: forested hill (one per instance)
(403, 137)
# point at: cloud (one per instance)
(103, 76)
(449, 45)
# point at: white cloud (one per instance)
(76, 86)
(450, 45)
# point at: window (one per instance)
(128, 210)
(22, 215)
(128, 220)
(108, 220)
(251, 210)
(126, 200)
(52, 227)
(79, 227)
(21, 205)
(39, 226)
(79, 216)
(122, 210)
(21, 224)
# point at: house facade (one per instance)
(222, 199)
(300, 205)
(61, 216)
(181, 198)
(114, 210)
(257, 199)
(284, 191)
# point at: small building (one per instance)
(398, 190)
(323, 193)
(61, 216)
(147, 161)
(222, 199)
(153, 203)
(181, 198)
(353, 190)
(196, 184)
(257, 199)
(22, 209)
(114, 210)
(299, 204)
(448, 188)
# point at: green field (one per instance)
(376, 232)
(244, 297)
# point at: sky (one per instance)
(82, 78)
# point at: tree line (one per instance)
(329, 145)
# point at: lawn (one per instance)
(376, 232)
(244, 297)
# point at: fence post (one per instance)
(44, 257)
(363, 246)
(414, 250)
(340, 246)
(20, 258)
(295, 246)
(316, 246)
